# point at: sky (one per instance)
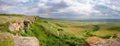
(69, 9)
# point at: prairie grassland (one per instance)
(62, 32)
(105, 28)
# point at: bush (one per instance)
(60, 25)
(95, 28)
(114, 28)
(108, 36)
(87, 33)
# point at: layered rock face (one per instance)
(16, 26)
(19, 25)
(26, 41)
(95, 41)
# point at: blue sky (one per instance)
(71, 9)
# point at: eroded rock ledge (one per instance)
(95, 41)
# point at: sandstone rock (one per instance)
(16, 26)
(117, 41)
(95, 41)
(19, 25)
(33, 18)
(7, 39)
(25, 41)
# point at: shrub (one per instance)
(96, 27)
(114, 28)
(108, 36)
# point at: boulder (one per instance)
(16, 26)
(7, 39)
(117, 41)
(95, 41)
(25, 41)
(19, 25)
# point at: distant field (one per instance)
(12, 18)
(105, 28)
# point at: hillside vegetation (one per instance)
(57, 32)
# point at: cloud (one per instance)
(106, 10)
(63, 8)
(47, 8)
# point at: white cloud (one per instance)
(21, 0)
(73, 8)
(82, 8)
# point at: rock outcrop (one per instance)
(19, 25)
(117, 41)
(7, 39)
(95, 41)
(33, 18)
(16, 26)
(25, 41)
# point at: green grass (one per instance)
(114, 28)
(6, 39)
(46, 32)
(11, 15)
(4, 27)
(48, 36)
